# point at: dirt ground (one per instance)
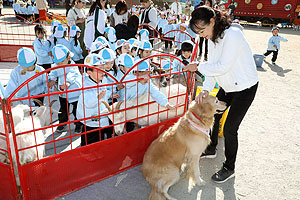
(267, 164)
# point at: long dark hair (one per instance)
(134, 21)
(203, 14)
(94, 5)
(120, 6)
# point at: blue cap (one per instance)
(60, 31)
(73, 31)
(133, 43)
(111, 34)
(93, 60)
(145, 45)
(95, 46)
(26, 57)
(121, 43)
(108, 55)
(60, 53)
(166, 65)
(103, 40)
(143, 66)
(144, 33)
(125, 60)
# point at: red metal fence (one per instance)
(66, 166)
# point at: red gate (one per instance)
(61, 172)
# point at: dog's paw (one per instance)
(200, 182)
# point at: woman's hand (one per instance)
(201, 95)
(191, 67)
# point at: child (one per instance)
(162, 22)
(103, 40)
(109, 56)
(69, 78)
(184, 54)
(134, 45)
(134, 89)
(110, 34)
(274, 44)
(144, 34)
(54, 25)
(145, 50)
(42, 47)
(89, 103)
(59, 36)
(75, 45)
(180, 37)
(122, 46)
(26, 69)
(96, 47)
(170, 36)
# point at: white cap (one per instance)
(103, 40)
(145, 45)
(134, 43)
(26, 57)
(60, 53)
(144, 33)
(143, 66)
(121, 43)
(111, 34)
(108, 55)
(93, 60)
(96, 46)
(74, 30)
(60, 31)
(125, 60)
(166, 65)
(54, 24)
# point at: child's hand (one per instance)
(171, 107)
(51, 83)
(64, 86)
(115, 95)
(275, 46)
(101, 95)
(50, 53)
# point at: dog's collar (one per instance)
(197, 117)
(200, 128)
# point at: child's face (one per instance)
(182, 20)
(186, 54)
(40, 35)
(78, 34)
(108, 65)
(162, 16)
(275, 32)
(123, 68)
(182, 28)
(65, 61)
(125, 49)
(170, 21)
(133, 52)
(143, 74)
(29, 69)
(146, 53)
(96, 75)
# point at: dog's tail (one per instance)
(155, 195)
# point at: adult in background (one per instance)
(231, 65)
(176, 9)
(166, 6)
(95, 22)
(42, 7)
(127, 30)
(76, 17)
(120, 15)
(149, 17)
(68, 6)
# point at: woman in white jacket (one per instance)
(231, 65)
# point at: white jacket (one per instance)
(230, 63)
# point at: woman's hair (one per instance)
(203, 15)
(134, 21)
(39, 29)
(75, 38)
(121, 6)
(94, 5)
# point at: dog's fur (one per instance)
(182, 144)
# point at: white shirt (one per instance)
(176, 8)
(73, 16)
(230, 63)
(152, 17)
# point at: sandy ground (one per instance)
(267, 165)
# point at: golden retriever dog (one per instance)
(180, 147)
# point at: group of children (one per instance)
(107, 58)
(26, 10)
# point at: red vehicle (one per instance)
(266, 11)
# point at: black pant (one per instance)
(64, 114)
(46, 66)
(94, 136)
(239, 103)
(275, 54)
(168, 40)
(202, 39)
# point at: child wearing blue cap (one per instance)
(42, 47)
(26, 69)
(274, 44)
(90, 105)
(145, 50)
(134, 89)
(110, 34)
(75, 44)
(122, 46)
(59, 36)
(169, 37)
(134, 45)
(69, 78)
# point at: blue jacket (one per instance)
(110, 80)
(41, 49)
(179, 38)
(178, 66)
(131, 90)
(275, 40)
(63, 41)
(76, 50)
(161, 23)
(73, 76)
(167, 28)
(89, 105)
(18, 76)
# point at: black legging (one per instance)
(239, 103)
